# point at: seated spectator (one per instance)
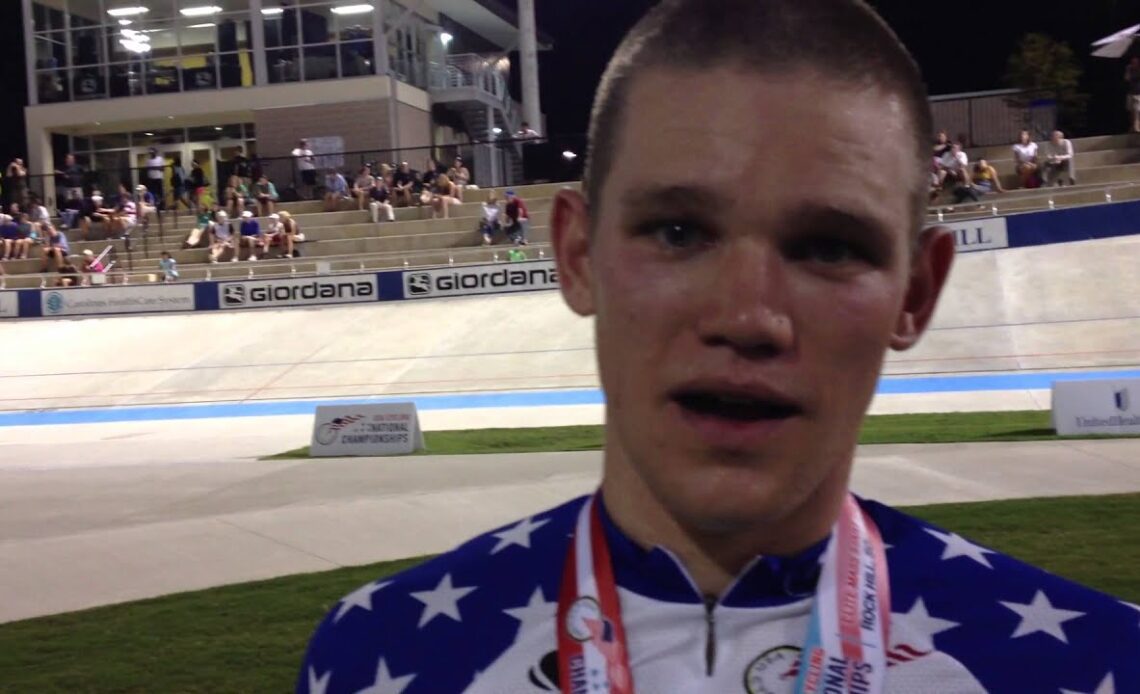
(56, 247)
(198, 183)
(10, 238)
(266, 194)
(291, 236)
(518, 219)
(29, 236)
(526, 132)
(1025, 161)
(221, 237)
(336, 189)
(249, 236)
(954, 167)
(459, 175)
(985, 178)
(942, 144)
(403, 182)
(273, 231)
(490, 225)
(235, 196)
(68, 275)
(120, 219)
(92, 211)
(146, 202)
(91, 264)
(362, 186)
(444, 195)
(431, 170)
(1058, 155)
(381, 201)
(200, 235)
(169, 267)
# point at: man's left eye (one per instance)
(830, 251)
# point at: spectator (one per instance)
(239, 166)
(526, 132)
(516, 254)
(16, 181)
(169, 267)
(56, 247)
(381, 200)
(490, 224)
(362, 186)
(29, 235)
(431, 170)
(954, 167)
(221, 237)
(266, 194)
(336, 189)
(155, 172)
(941, 144)
(444, 195)
(403, 181)
(236, 195)
(124, 216)
(92, 211)
(1132, 77)
(10, 237)
(1058, 153)
(306, 164)
(36, 211)
(1025, 161)
(72, 175)
(518, 220)
(68, 274)
(249, 236)
(202, 231)
(91, 264)
(178, 182)
(983, 180)
(459, 175)
(145, 201)
(198, 184)
(291, 235)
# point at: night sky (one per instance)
(961, 48)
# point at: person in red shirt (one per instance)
(518, 219)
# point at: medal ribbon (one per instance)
(846, 646)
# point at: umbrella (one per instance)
(1116, 45)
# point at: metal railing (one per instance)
(980, 119)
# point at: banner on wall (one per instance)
(500, 278)
(143, 298)
(9, 304)
(980, 234)
(308, 291)
(1106, 406)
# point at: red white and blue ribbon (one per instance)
(846, 647)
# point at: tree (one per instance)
(1043, 66)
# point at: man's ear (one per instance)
(570, 234)
(930, 268)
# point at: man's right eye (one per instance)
(676, 235)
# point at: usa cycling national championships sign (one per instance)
(501, 278)
(308, 291)
(389, 429)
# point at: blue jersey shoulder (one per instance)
(442, 621)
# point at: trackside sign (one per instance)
(480, 279)
(1109, 406)
(309, 291)
(391, 429)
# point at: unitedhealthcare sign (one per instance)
(1096, 407)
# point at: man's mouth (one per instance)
(735, 406)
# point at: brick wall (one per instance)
(363, 125)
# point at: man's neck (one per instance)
(715, 559)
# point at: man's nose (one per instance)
(748, 306)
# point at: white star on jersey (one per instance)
(1106, 686)
(923, 627)
(361, 597)
(517, 535)
(958, 546)
(444, 600)
(318, 685)
(536, 611)
(385, 683)
(1040, 615)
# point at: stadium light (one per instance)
(497, 131)
(352, 9)
(446, 38)
(202, 11)
(205, 25)
(127, 11)
(569, 156)
(271, 11)
(124, 22)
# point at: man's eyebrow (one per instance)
(817, 216)
(676, 195)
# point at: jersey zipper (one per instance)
(710, 637)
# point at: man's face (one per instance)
(1057, 136)
(744, 302)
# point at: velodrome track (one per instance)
(118, 502)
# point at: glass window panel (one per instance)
(320, 62)
(87, 46)
(45, 17)
(89, 82)
(235, 70)
(154, 138)
(317, 25)
(284, 65)
(198, 38)
(80, 143)
(109, 141)
(51, 86)
(126, 79)
(50, 50)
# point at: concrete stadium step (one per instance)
(1084, 160)
(1083, 144)
(1005, 207)
(471, 195)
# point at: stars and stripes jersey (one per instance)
(481, 619)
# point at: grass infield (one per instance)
(953, 427)
(250, 637)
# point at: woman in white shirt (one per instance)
(1025, 161)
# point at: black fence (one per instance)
(995, 118)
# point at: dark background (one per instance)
(961, 46)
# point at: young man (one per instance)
(155, 173)
(72, 176)
(1059, 164)
(403, 182)
(266, 194)
(742, 311)
(169, 267)
(306, 165)
(336, 189)
(518, 219)
(249, 236)
(221, 237)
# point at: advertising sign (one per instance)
(86, 301)
(499, 278)
(9, 304)
(980, 234)
(1096, 407)
(308, 291)
(365, 430)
